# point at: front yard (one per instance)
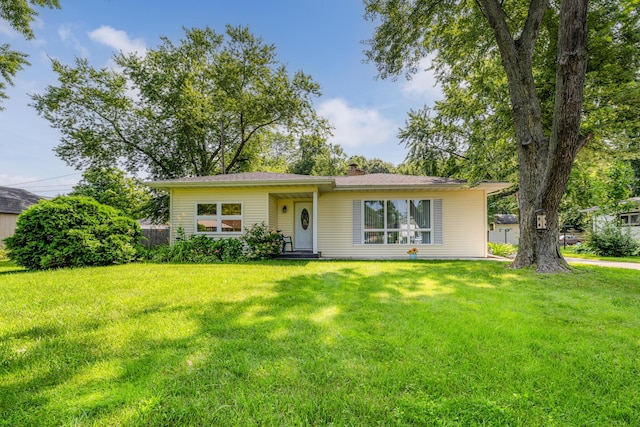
(319, 343)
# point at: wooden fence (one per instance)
(155, 237)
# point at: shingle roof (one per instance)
(387, 179)
(505, 219)
(15, 200)
(245, 177)
(362, 182)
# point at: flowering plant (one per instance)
(412, 251)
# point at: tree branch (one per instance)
(527, 40)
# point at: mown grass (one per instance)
(439, 343)
(569, 252)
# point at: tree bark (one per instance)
(545, 162)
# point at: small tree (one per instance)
(611, 240)
(111, 187)
(73, 232)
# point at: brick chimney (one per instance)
(354, 171)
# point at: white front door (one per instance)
(303, 226)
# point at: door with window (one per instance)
(303, 226)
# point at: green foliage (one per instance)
(191, 97)
(4, 254)
(470, 133)
(316, 157)
(612, 241)
(200, 249)
(110, 186)
(374, 165)
(502, 249)
(19, 15)
(73, 232)
(261, 242)
(258, 242)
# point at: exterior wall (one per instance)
(464, 225)
(464, 222)
(7, 226)
(259, 204)
(599, 221)
(513, 235)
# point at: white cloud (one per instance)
(66, 35)
(423, 84)
(356, 127)
(6, 29)
(118, 40)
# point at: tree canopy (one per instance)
(470, 133)
(19, 14)
(199, 107)
(111, 187)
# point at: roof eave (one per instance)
(164, 185)
(382, 187)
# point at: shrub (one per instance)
(613, 242)
(261, 242)
(200, 249)
(258, 242)
(3, 254)
(502, 249)
(73, 232)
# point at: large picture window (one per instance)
(401, 221)
(218, 217)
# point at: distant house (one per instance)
(12, 202)
(354, 216)
(629, 220)
(504, 229)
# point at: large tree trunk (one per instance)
(545, 163)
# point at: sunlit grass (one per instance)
(319, 343)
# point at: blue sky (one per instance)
(321, 37)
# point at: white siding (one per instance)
(463, 223)
(464, 218)
(7, 226)
(257, 203)
(498, 235)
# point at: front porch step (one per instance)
(297, 255)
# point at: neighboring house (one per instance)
(12, 202)
(505, 229)
(355, 216)
(630, 219)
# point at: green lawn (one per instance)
(319, 343)
(568, 252)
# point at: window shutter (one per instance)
(357, 222)
(437, 221)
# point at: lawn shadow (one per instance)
(344, 346)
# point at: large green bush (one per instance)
(613, 242)
(73, 232)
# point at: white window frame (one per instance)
(628, 216)
(388, 230)
(219, 217)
